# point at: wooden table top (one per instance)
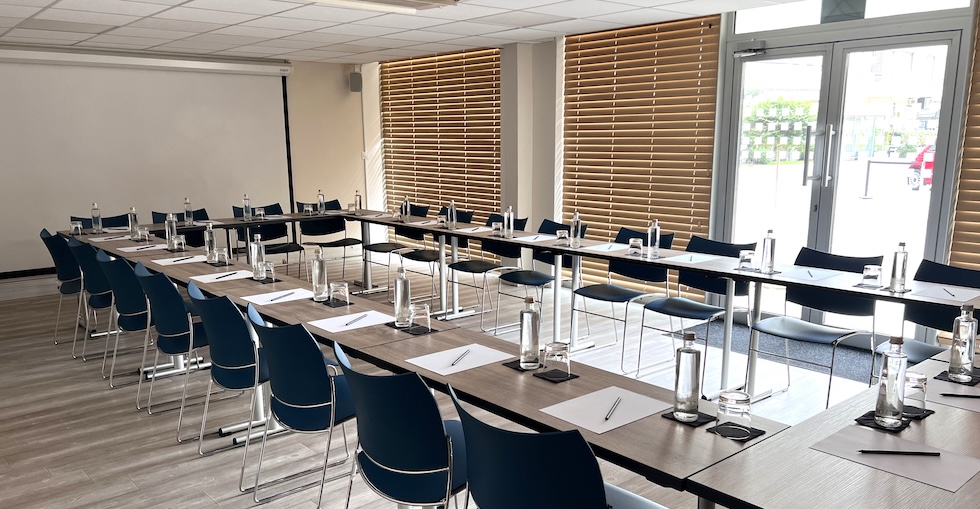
(784, 471)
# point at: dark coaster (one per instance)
(217, 264)
(555, 376)
(415, 329)
(700, 421)
(868, 420)
(737, 432)
(907, 290)
(268, 280)
(335, 303)
(175, 250)
(915, 413)
(869, 287)
(516, 364)
(944, 376)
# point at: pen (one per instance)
(609, 247)
(226, 275)
(145, 247)
(348, 324)
(949, 292)
(455, 362)
(182, 259)
(613, 409)
(691, 259)
(535, 237)
(116, 238)
(809, 273)
(954, 395)
(899, 453)
(281, 296)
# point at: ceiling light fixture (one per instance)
(368, 6)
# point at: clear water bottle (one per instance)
(171, 229)
(899, 268)
(96, 219)
(321, 291)
(246, 208)
(188, 213)
(321, 202)
(133, 222)
(962, 350)
(406, 211)
(653, 239)
(358, 201)
(403, 298)
(256, 252)
(891, 386)
(576, 233)
(769, 253)
(530, 329)
(508, 223)
(687, 384)
(451, 215)
(210, 243)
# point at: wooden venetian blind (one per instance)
(440, 120)
(639, 129)
(964, 250)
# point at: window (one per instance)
(809, 12)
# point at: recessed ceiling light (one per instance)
(368, 6)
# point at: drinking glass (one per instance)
(143, 233)
(308, 209)
(419, 311)
(351, 208)
(221, 255)
(915, 393)
(441, 220)
(562, 238)
(180, 242)
(745, 259)
(556, 357)
(339, 292)
(75, 228)
(270, 270)
(734, 410)
(636, 246)
(871, 276)
(498, 229)
(259, 213)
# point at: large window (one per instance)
(441, 126)
(639, 128)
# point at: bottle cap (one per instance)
(689, 336)
(896, 340)
(529, 300)
(901, 244)
(968, 307)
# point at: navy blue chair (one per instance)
(406, 452)
(107, 222)
(308, 392)
(323, 226)
(684, 308)
(194, 238)
(407, 232)
(129, 311)
(66, 270)
(792, 328)
(269, 232)
(497, 470)
(177, 334)
(616, 294)
(96, 292)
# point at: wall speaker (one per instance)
(354, 81)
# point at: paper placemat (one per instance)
(279, 297)
(376, 216)
(113, 229)
(427, 222)
(181, 260)
(589, 411)
(109, 239)
(206, 221)
(275, 216)
(948, 293)
(937, 387)
(478, 229)
(223, 276)
(690, 258)
(442, 362)
(949, 471)
(140, 249)
(347, 322)
(607, 248)
(537, 238)
(810, 274)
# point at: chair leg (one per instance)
(183, 396)
(142, 371)
(57, 320)
(350, 483)
(830, 379)
(326, 461)
(149, 398)
(248, 436)
(258, 471)
(82, 308)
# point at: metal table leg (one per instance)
(574, 344)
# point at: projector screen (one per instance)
(71, 136)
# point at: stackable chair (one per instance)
(431, 256)
(419, 211)
(194, 238)
(308, 395)
(406, 452)
(792, 328)
(684, 308)
(322, 226)
(66, 269)
(616, 294)
(107, 222)
(176, 332)
(96, 292)
(129, 311)
(498, 470)
(269, 232)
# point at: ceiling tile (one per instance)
(163, 2)
(461, 12)
(234, 40)
(32, 3)
(324, 13)
(63, 26)
(204, 15)
(265, 33)
(423, 36)
(277, 22)
(655, 3)
(47, 34)
(481, 42)
(467, 28)
(151, 33)
(577, 26)
(438, 47)
(111, 45)
(314, 53)
(522, 19)
(637, 17)
(264, 7)
(525, 34)
(389, 43)
(404, 21)
(202, 46)
(120, 39)
(512, 4)
(394, 52)
(354, 48)
(111, 7)
(361, 30)
(322, 37)
(259, 50)
(581, 8)
(289, 44)
(100, 18)
(37, 42)
(173, 24)
(17, 11)
(706, 7)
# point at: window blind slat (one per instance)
(965, 238)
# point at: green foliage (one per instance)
(776, 127)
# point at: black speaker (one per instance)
(354, 81)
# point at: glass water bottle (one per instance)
(247, 208)
(188, 213)
(899, 268)
(321, 202)
(96, 219)
(406, 211)
(964, 339)
(576, 233)
(256, 251)
(769, 253)
(687, 386)
(508, 216)
(321, 291)
(403, 298)
(653, 239)
(171, 230)
(133, 222)
(891, 386)
(530, 329)
(358, 201)
(451, 215)
(211, 243)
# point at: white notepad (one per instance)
(944, 292)
(442, 362)
(279, 297)
(607, 248)
(541, 237)
(181, 260)
(690, 258)
(223, 276)
(140, 249)
(810, 274)
(589, 411)
(340, 323)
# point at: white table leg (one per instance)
(366, 283)
(726, 349)
(753, 339)
(556, 300)
(443, 286)
(574, 344)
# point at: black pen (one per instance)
(145, 247)
(809, 273)
(181, 259)
(226, 275)
(899, 453)
(613, 409)
(124, 236)
(348, 324)
(954, 395)
(535, 238)
(949, 292)
(455, 362)
(281, 296)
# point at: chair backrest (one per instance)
(95, 280)
(170, 316)
(234, 355)
(939, 316)
(827, 300)
(107, 222)
(498, 469)
(267, 231)
(196, 238)
(127, 293)
(322, 225)
(407, 231)
(65, 265)
(550, 227)
(710, 283)
(462, 216)
(639, 270)
(503, 249)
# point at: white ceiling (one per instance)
(304, 30)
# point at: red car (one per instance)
(920, 171)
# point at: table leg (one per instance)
(574, 344)
(366, 283)
(726, 350)
(753, 339)
(704, 503)
(443, 309)
(453, 285)
(556, 300)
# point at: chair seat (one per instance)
(70, 287)
(345, 242)
(284, 248)
(423, 255)
(917, 351)
(177, 345)
(618, 498)
(422, 489)
(474, 266)
(608, 293)
(800, 330)
(527, 277)
(384, 247)
(684, 308)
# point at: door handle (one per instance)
(806, 154)
(829, 150)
